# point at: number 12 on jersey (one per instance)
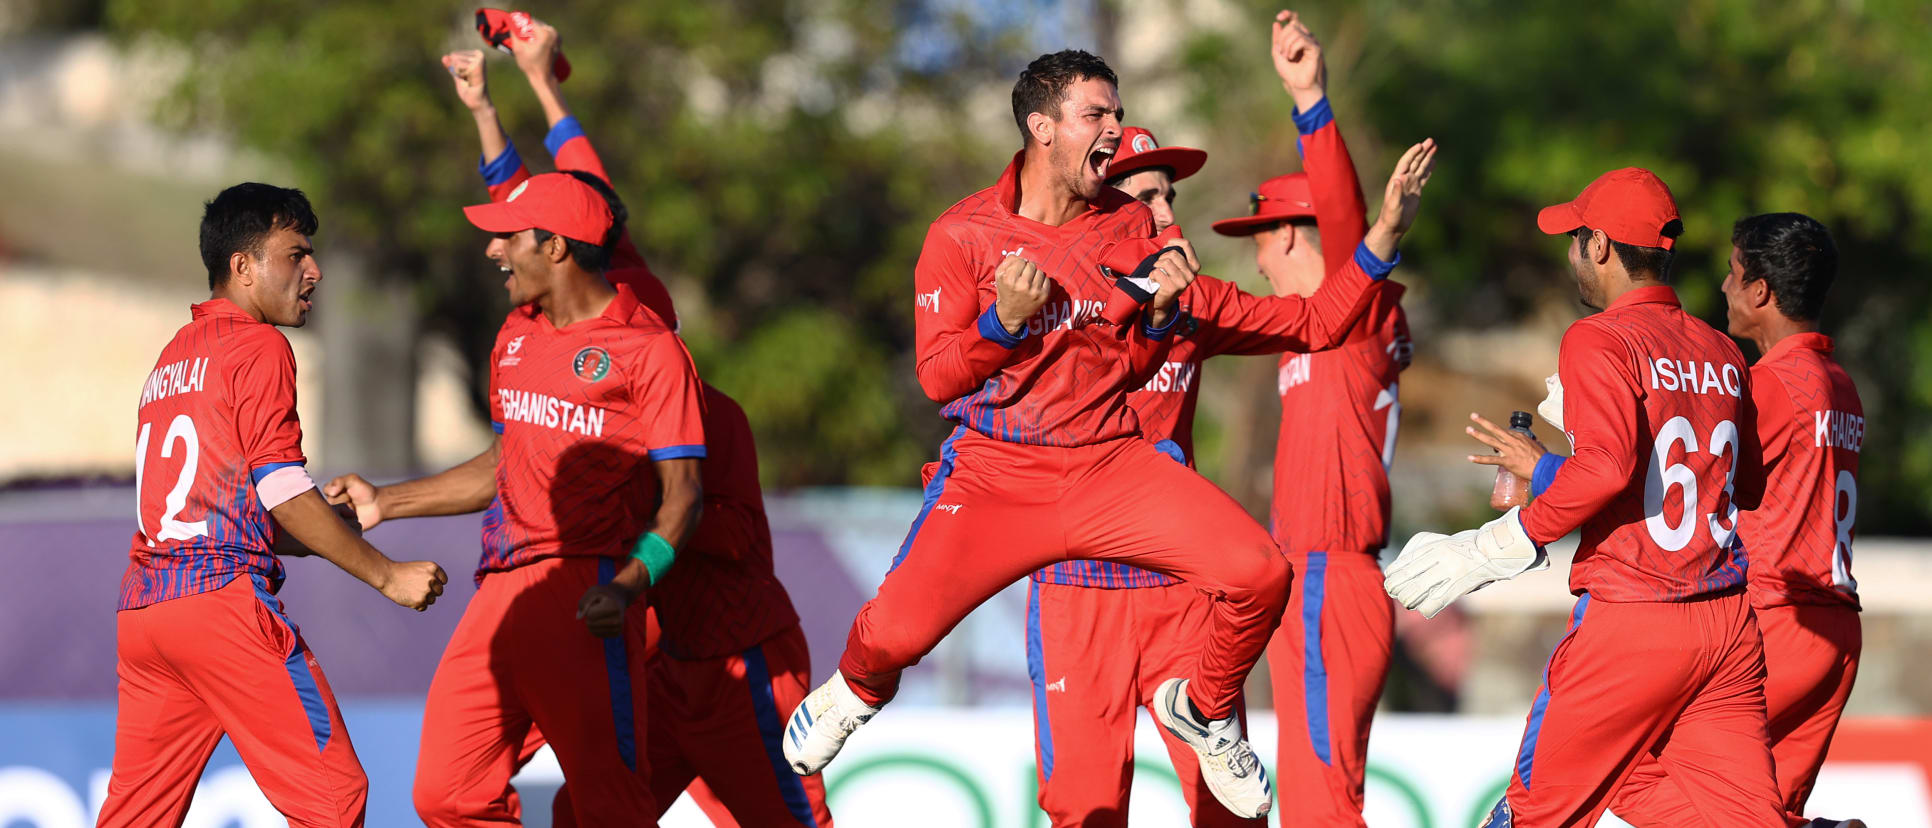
(180, 430)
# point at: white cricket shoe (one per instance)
(1227, 762)
(819, 726)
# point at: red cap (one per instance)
(498, 26)
(1139, 151)
(1279, 199)
(556, 202)
(1630, 205)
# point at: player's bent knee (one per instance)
(1261, 577)
(436, 801)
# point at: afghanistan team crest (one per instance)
(591, 364)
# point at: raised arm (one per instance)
(1242, 323)
(566, 141)
(1340, 213)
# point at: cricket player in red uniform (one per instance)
(1088, 678)
(591, 488)
(204, 647)
(1028, 344)
(1663, 661)
(729, 627)
(1339, 412)
(1799, 539)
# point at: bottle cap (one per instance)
(1519, 419)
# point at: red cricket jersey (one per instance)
(1340, 411)
(216, 416)
(571, 150)
(1063, 380)
(721, 596)
(1812, 425)
(1658, 407)
(1223, 319)
(583, 412)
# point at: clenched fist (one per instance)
(1298, 60)
(414, 584)
(535, 54)
(602, 609)
(466, 72)
(359, 494)
(1173, 272)
(1023, 290)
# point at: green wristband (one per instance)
(656, 553)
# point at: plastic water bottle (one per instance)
(1511, 490)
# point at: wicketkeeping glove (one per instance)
(1552, 406)
(1434, 569)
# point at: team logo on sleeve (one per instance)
(591, 364)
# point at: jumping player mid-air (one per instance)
(1102, 635)
(729, 628)
(1330, 508)
(204, 647)
(1658, 407)
(1017, 336)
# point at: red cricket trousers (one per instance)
(1680, 685)
(1327, 663)
(1095, 656)
(714, 732)
(226, 661)
(1810, 660)
(996, 511)
(519, 658)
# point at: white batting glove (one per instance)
(1552, 406)
(1434, 569)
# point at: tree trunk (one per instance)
(369, 329)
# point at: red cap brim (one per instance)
(1250, 225)
(1559, 219)
(1184, 161)
(497, 217)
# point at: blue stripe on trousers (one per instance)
(298, 670)
(1314, 672)
(765, 707)
(933, 490)
(1526, 756)
(1036, 670)
(617, 668)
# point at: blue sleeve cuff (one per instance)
(1315, 118)
(676, 452)
(496, 426)
(1545, 473)
(1160, 333)
(506, 164)
(1373, 265)
(990, 328)
(561, 134)
(267, 469)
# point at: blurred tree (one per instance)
(1743, 107)
(780, 161)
